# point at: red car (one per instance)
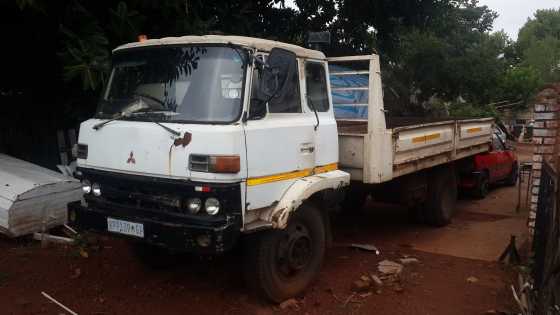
(499, 165)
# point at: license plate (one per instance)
(125, 227)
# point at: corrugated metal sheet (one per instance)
(32, 196)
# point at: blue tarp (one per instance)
(343, 100)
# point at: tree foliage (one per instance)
(431, 49)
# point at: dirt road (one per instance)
(112, 281)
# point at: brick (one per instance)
(533, 207)
(531, 224)
(547, 132)
(551, 123)
(536, 182)
(537, 158)
(537, 174)
(539, 124)
(534, 199)
(540, 108)
(532, 215)
(535, 190)
(549, 140)
(544, 149)
(537, 140)
(537, 167)
(545, 116)
(553, 107)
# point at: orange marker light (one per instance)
(225, 164)
(142, 38)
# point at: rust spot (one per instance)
(187, 137)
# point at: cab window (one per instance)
(316, 86)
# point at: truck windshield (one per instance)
(192, 83)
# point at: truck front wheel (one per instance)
(282, 263)
(442, 197)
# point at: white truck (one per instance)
(199, 140)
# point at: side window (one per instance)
(497, 143)
(316, 85)
(288, 99)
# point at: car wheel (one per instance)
(513, 176)
(482, 187)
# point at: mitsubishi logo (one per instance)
(131, 159)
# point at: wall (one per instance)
(545, 137)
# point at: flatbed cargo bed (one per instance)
(375, 148)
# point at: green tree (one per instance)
(539, 44)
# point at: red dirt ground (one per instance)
(112, 281)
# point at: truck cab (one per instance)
(198, 140)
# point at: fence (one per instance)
(546, 269)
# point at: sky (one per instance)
(514, 13)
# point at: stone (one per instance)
(360, 286)
(389, 267)
(398, 289)
(472, 279)
(409, 260)
(376, 281)
(290, 303)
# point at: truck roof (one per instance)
(258, 43)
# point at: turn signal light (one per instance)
(225, 164)
(214, 163)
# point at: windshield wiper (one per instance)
(144, 113)
(127, 111)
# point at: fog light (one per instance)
(203, 240)
(86, 186)
(96, 189)
(212, 206)
(194, 205)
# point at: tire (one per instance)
(513, 176)
(442, 197)
(355, 197)
(281, 264)
(482, 187)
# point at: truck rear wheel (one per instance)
(442, 197)
(282, 263)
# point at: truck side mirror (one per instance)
(273, 76)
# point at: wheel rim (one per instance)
(294, 251)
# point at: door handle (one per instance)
(306, 148)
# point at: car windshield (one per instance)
(192, 83)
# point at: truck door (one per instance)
(280, 142)
(317, 98)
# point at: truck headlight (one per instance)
(96, 189)
(212, 206)
(194, 205)
(86, 186)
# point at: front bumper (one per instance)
(178, 234)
